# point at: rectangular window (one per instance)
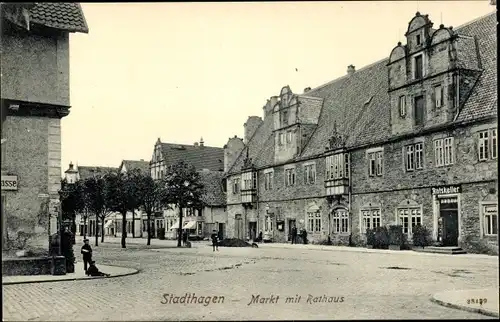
(371, 219)
(419, 67)
(402, 106)
(487, 145)
(409, 218)
(444, 152)
(346, 167)
(254, 180)
(289, 137)
(438, 96)
(337, 166)
(289, 177)
(490, 219)
(268, 180)
(380, 163)
(372, 164)
(419, 110)
(285, 118)
(281, 139)
(340, 220)
(314, 222)
(419, 40)
(236, 186)
(309, 173)
(413, 156)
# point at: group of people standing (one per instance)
(294, 233)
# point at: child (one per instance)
(94, 271)
(87, 254)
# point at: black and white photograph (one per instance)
(249, 161)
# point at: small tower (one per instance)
(71, 173)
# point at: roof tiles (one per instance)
(66, 16)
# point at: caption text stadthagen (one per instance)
(256, 299)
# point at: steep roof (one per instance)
(66, 16)
(358, 105)
(199, 156)
(90, 171)
(214, 194)
(140, 165)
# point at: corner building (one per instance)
(411, 139)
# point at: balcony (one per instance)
(248, 196)
(336, 187)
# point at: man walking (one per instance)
(87, 254)
(294, 235)
(215, 241)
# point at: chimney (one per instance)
(195, 144)
(307, 89)
(71, 165)
(201, 141)
(351, 69)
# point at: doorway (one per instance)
(238, 227)
(448, 211)
(252, 230)
(291, 224)
(221, 231)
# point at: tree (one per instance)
(150, 195)
(184, 189)
(72, 200)
(118, 193)
(96, 200)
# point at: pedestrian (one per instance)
(184, 237)
(304, 236)
(87, 254)
(215, 241)
(94, 271)
(294, 235)
(260, 237)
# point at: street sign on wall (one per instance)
(9, 183)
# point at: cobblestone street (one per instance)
(373, 285)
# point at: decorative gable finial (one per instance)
(336, 140)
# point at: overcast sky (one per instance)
(181, 71)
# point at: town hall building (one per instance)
(410, 139)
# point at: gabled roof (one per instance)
(66, 16)
(214, 194)
(140, 165)
(89, 171)
(201, 157)
(358, 105)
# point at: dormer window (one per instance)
(438, 96)
(418, 67)
(402, 106)
(284, 118)
(418, 39)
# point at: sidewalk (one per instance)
(79, 274)
(366, 250)
(137, 241)
(467, 300)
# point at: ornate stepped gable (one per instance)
(359, 102)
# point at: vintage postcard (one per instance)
(195, 161)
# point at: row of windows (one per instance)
(285, 138)
(419, 104)
(407, 217)
(337, 166)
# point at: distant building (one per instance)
(408, 140)
(35, 95)
(209, 162)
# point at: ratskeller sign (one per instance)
(446, 190)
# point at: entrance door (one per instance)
(238, 227)
(252, 230)
(449, 215)
(291, 224)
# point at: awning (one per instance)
(190, 225)
(108, 223)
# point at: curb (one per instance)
(465, 308)
(73, 279)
